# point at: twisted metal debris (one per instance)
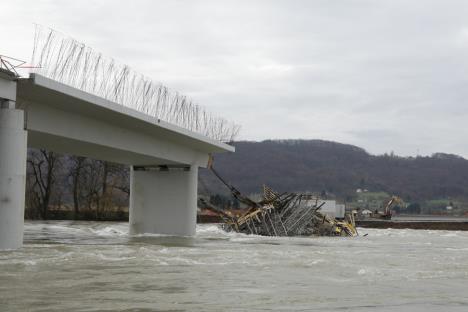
(70, 62)
(288, 214)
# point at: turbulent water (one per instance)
(89, 266)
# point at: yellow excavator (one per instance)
(386, 214)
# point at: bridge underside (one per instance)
(90, 126)
(60, 144)
(42, 113)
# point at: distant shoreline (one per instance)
(437, 218)
(417, 222)
(448, 225)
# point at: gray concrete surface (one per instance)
(164, 201)
(66, 120)
(13, 152)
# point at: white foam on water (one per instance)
(110, 231)
(209, 229)
(296, 272)
(451, 234)
(115, 258)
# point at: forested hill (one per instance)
(338, 169)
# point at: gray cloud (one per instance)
(386, 75)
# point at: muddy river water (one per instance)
(93, 266)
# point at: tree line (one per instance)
(74, 187)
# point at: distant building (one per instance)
(366, 212)
(332, 209)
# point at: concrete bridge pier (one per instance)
(13, 153)
(163, 200)
(63, 119)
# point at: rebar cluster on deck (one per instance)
(70, 62)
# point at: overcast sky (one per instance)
(384, 75)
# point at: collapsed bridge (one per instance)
(49, 110)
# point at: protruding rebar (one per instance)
(68, 61)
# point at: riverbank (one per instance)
(415, 225)
(401, 222)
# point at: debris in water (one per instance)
(287, 214)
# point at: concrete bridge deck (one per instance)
(164, 158)
(67, 120)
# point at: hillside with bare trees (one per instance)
(338, 170)
(72, 187)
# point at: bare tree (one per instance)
(121, 180)
(41, 168)
(96, 189)
(75, 173)
(114, 180)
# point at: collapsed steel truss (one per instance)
(287, 214)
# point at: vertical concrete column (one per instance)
(13, 151)
(163, 202)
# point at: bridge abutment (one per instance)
(13, 153)
(163, 200)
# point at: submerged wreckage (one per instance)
(286, 214)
